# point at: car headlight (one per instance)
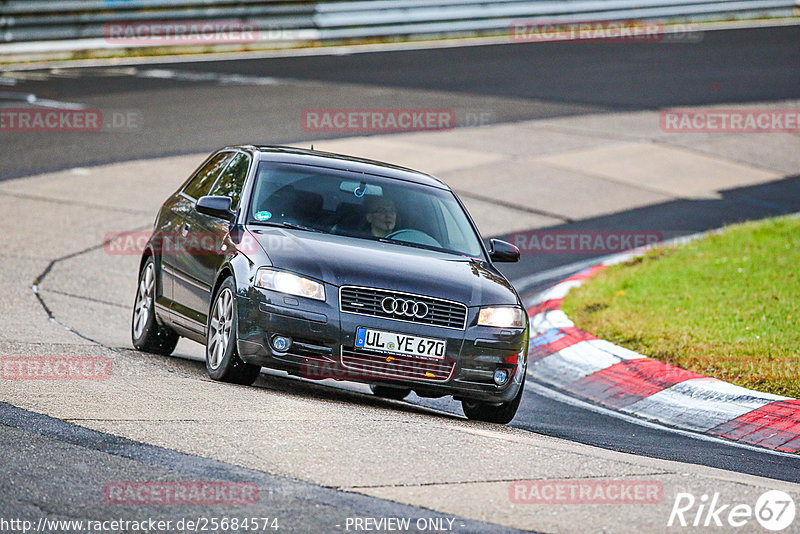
(290, 283)
(505, 317)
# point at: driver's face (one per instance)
(383, 217)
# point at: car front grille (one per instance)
(368, 364)
(369, 301)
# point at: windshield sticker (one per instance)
(263, 216)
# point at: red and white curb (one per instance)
(572, 360)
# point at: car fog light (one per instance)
(281, 343)
(500, 376)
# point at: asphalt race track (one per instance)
(196, 109)
(188, 108)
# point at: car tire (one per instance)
(222, 360)
(146, 334)
(493, 413)
(388, 392)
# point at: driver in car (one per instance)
(381, 216)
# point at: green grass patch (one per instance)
(726, 306)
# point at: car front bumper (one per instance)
(323, 339)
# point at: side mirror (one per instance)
(219, 207)
(502, 251)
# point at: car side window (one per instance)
(205, 177)
(232, 179)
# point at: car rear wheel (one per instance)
(222, 361)
(493, 413)
(388, 392)
(146, 334)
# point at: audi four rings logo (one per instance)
(407, 308)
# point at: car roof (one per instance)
(318, 158)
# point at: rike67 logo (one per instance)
(774, 510)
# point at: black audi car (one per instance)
(329, 266)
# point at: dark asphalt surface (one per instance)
(724, 66)
(199, 112)
(513, 82)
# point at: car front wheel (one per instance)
(146, 334)
(501, 413)
(222, 361)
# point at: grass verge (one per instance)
(726, 306)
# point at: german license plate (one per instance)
(394, 343)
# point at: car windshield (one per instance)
(362, 206)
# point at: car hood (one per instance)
(342, 261)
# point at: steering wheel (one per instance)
(414, 236)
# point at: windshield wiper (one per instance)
(293, 226)
(410, 244)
